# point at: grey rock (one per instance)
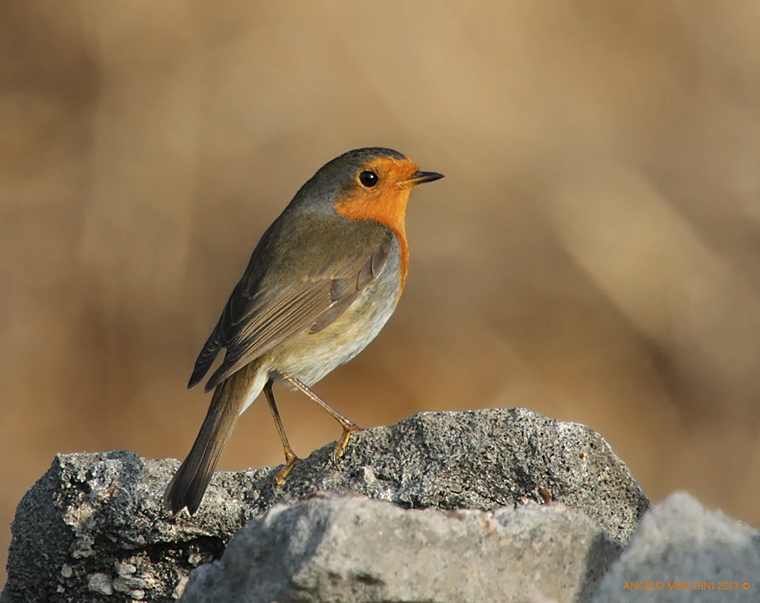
(93, 513)
(91, 519)
(350, 548)
(101, 584)
(684, 552)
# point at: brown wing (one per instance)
(304, 280)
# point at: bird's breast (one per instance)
(311, 356)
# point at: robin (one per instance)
(323, 280)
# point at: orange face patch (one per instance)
(382, 198)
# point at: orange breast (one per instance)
(391, 215)
(386, 203)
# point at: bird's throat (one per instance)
(388, 211)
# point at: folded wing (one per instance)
(265, 309)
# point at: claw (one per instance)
(340, 446)
(283, 473)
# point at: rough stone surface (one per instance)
(351, 548)
(684, 552)
(95, 522)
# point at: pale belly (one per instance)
(309, 357)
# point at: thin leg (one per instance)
(291, 460)
(349, 427)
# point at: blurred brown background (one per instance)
(593, 253)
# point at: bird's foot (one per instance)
(340, 447)
(283, 473)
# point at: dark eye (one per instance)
(368, 179)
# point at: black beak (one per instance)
(422, 177)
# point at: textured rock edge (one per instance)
(326, 548)
(94, 523)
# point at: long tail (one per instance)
(230, 398)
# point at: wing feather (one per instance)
(259, 314)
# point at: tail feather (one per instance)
(192, 478)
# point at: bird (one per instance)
(321, 283)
